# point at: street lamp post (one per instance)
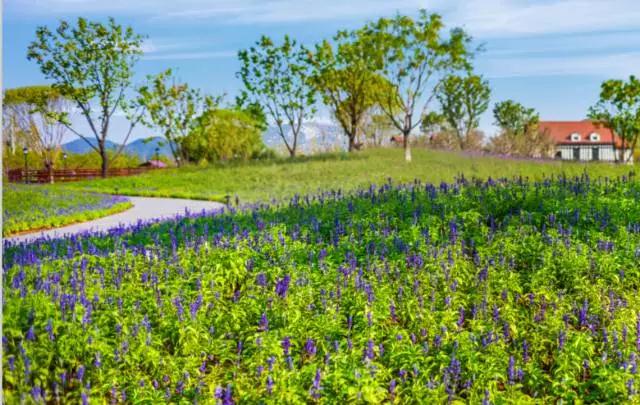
(157, 157)
(64, 164)
(25, 152)
(178, 161)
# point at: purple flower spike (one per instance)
(264, 323)
(511, 371)
(310, 347)
(282, 286)
(286, 345)
(315, 388)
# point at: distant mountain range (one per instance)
(314, 137)
(144, 149)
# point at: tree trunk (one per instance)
(632, 147)
(105, 162)
(50, 171)
(352, 143)
(407, 147)
(294, 147)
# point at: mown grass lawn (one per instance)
(264, 180)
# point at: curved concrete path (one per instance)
(144, 208)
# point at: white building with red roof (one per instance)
(585, 141)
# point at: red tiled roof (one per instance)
(561, 132)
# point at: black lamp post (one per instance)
(25, 152)
(178, 161)
(157, 157)
(64, 164)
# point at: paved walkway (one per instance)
(144, 208)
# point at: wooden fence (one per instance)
(60, 175)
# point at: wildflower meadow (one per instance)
(494, 291)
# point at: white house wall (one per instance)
(606, 152)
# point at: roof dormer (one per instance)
(575, 137)
(594, 137)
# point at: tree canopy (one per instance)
(619, 110)
(514, 118)
(276, 77)
(223, 134)
(172, 108)
(520, 134)
(344, 74)
(414, 56)
(32, 117)
(463, 99)
(92, 64)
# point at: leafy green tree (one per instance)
(519, 131)
(33, 112)
(462, 101)
(514, 118)
(344, 75)
(276, 77)
(223, 134)
(255, 110)
(172, 108)
(619, 110)
(414, 57)
(91, 64)
(17, 121)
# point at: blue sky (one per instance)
(548, 54)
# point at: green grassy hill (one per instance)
(264, 180)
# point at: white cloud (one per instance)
(523, 37)
(495, 18)
(483, 18)
(612, 65)
(278, 11)
(567, 44)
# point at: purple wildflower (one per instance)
(177, 303)
(195, 306)
(511, 372)
(286, 345)
(269, 384)
(582, 313)
(460, 322)
(369, 351)
(315, 388)
(31, 335)
(310, 347)
(282, 286)
(562, 336)
(263, 325)
(49, 329)
(486, 399)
